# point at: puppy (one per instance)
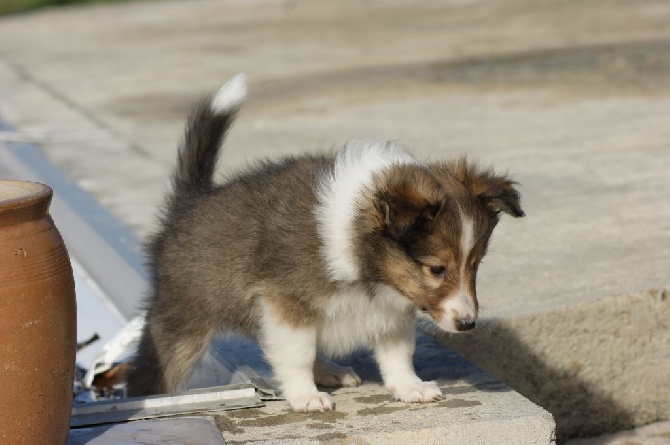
(314, 256)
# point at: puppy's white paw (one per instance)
(316, 401)
(330, 375)
(417, 392)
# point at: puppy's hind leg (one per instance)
(171, 343)
(332, 375)
(291, 351)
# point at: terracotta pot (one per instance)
(37, 319)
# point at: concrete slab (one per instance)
(476, 409)
(177, 431)
(572, 98)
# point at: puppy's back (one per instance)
(223, 247)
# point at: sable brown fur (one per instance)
(226, 253)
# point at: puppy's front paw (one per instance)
(316, 401)
(417, 392)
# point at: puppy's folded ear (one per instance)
(399, 216)
(498, 193)
(410, 200)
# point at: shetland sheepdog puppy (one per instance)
(314, 257)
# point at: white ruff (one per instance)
(339, 199)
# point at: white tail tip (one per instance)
(230, 96)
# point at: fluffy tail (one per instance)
(207, 126)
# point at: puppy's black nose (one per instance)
(464, 324)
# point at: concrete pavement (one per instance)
(572, 98)
(654, 434)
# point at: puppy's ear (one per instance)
(399, 216)
(498, 193)
(410, 201)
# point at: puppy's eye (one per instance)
(434, 273)
(438, 271)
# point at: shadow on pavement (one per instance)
(579, 409)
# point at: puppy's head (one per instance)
(428, 232)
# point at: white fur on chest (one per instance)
(353, 319)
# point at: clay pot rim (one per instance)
(34, 191)
(29, 205)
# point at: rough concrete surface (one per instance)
(601, 358)
(367, 415)
(571, 97)
(654, 434)
(476, 409)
